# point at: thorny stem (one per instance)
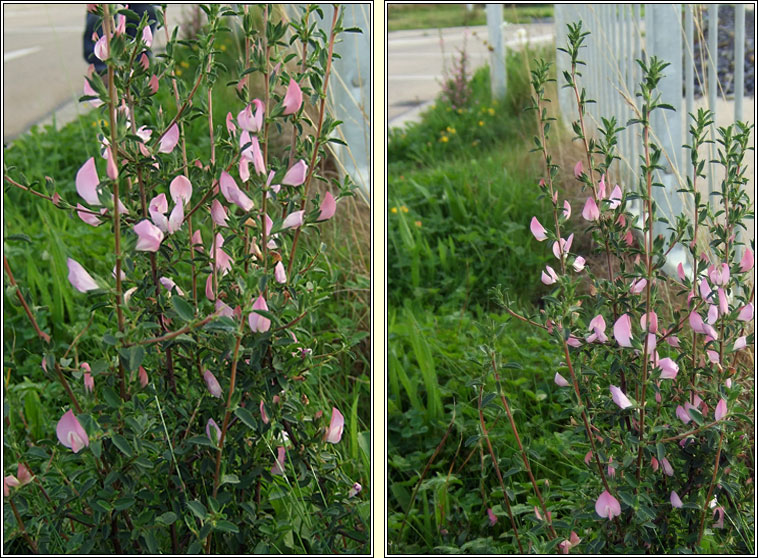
(521, 447)
(710, 489)
(172, 334)
(317, 142)
(497, 470)
(41, 334)
(112, 101)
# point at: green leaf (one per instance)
(198, 509)
(230, 479)
(696, 415)
(201, 441)
(132, 357)
(111, 397)
(226, 526)
(167, 518)
(247, 417)
(122, 444)
(124, 503)
(183, 308)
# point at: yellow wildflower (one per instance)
(394, 210)
(418, 223)
(184, 64)
(491, 111)
(450, 130)
(444, 139)
(404, 209)
(481, 122)
(223, 48)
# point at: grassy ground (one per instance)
(433, 16)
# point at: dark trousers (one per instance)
(94, 24)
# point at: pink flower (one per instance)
(144, 133)
(176, 218)
(622, 331)
(143, 379)
(578, 264)
(328, 207)
(170, 138)
(607, 506)
(573, 341)
(213, 386)
(619, 398)
(181, 189)
(601, 188)
(698, 326)
(209, 288)
(653, 322)
(293, 220)
(223, 309)
(680, 271)
(537, 229)
(746, 263)
(89, 382)
(669, 368)
(144, 61)
(154, 85)
(566, 545)
(615, 198)
(560, 380)
(637, 286)
(491, 516)
(293, 99)
(565, 246)
(149, 237)
(741, 343)
(232, 193)
(9, 482)
(70, 432)
(147, 36)
(597, 327)
(79, 278)
(355, 489)
(713, 356)
(249, 122)
(169, 284)
(720, 522)
(24, 475)
(667, 468)
(120, 24)
(590, 211)
(334, 432)
(255, 155)
(723, 302)
(87, 216)
(705, 289)
(720, 409)
(278, 468)
(683, 415)
(578, 169)
(212, 424)
(87, 182)
(257, 322)
(230, 127)
(218, 214)
(279, 273)
(197, 240)
(587, 458)
(223, 260)
(550, 277)
(675, 500)
(719, 274)
(566, 209)
(673, 340)
(296, 174)
(101, 49)
(654, 464)
(746, 313)
(264, 416)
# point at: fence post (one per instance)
(497, 54)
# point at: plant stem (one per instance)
(710, 489)
(20, 522)
(41, 334)
(317, 142)
(520, 446)
(497, 469)
(227, 414)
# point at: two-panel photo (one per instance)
(378, 279)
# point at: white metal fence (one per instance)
(620, 34)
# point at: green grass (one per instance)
(434, 16)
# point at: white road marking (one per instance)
(12, 55)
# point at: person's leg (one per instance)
(92, 24)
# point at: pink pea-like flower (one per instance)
(578, 169)
(680, 271)
(264, 416)
(683, 415)
(723, 301)
(566, 209)
(327, 208)
(218, 214)
(257, 322)
(251, 122)
(619, 398)
(147, 36)
(560, 380)
(230, 127)
(212, 383)
(562, 246)
(597, 327)
(293, 99)
(70, 432)
(296, 174)
(143, 379)
(573, 341)
(278, 468)
(491, 517)
(601, 190)
(279, 274)
(740, 343)
(232, 192)
(572, 541)
(654, 464)
(149, 237)
(355, 489)
(293, 220)
(590, 211)
(537, 230)
(334, 432)
(549, 277)
(705, 289)
(607, 506)
(89, 382)
(181, 189)
(79, 278)
(144, 61)
(653, 322)
(255, 150)
(578, 264)
(746, 313)
(719, 274)
(101, 49)
(720, 522)
(615, 197)
(667, 468)
(746, 263)
(720, 409)
(622, 331)
(637, 286)
(669, 368)
(170, 139)
(588, 458)
(154, 85)
(87, 182)
(675, 500)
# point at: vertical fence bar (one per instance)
(739, 59)
(713, 24)
(629, 56)
(689, 78)
(497, 55)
